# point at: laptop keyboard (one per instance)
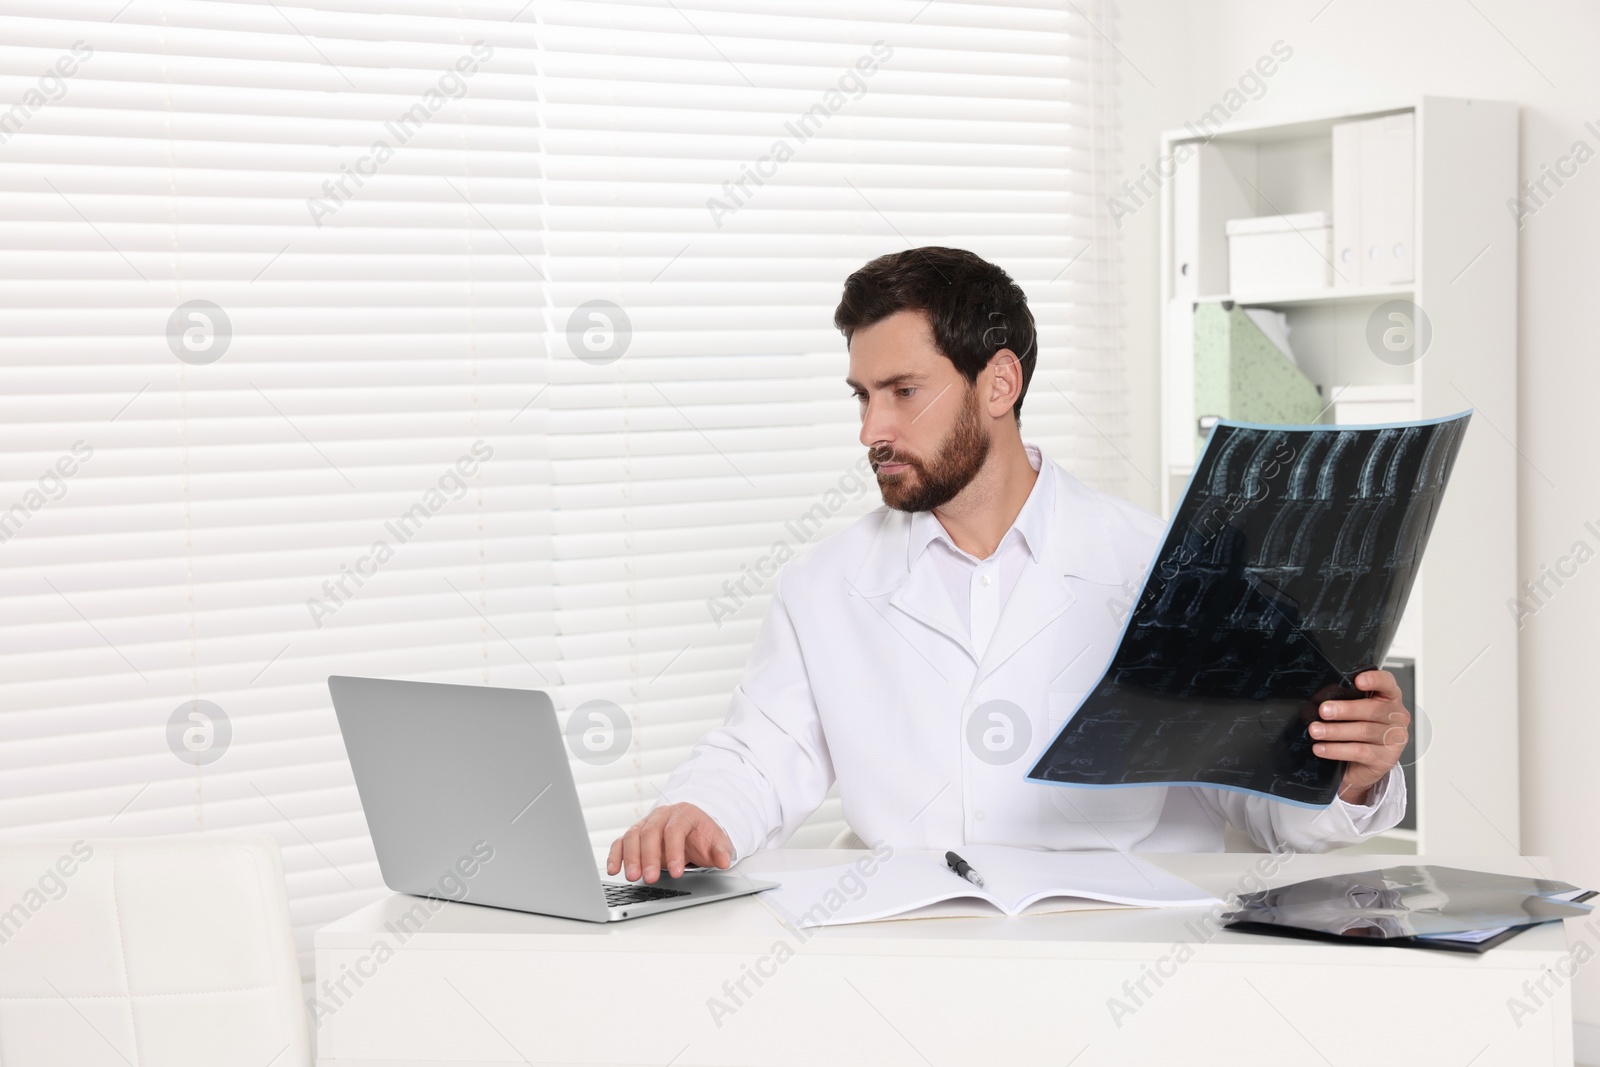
(619, 895)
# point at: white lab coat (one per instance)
(863, 672)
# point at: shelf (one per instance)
(1303, 297)
(1464, 167)
(1270, 132)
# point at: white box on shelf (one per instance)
(1366, 405)
(1280, 253)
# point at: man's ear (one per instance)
(1005, 383)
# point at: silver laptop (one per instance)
(469, 797)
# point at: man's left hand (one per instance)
(1369, 734)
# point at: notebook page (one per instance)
(971, 908)
(831, 896)
(1018, 877)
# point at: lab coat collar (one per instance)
(1070, 536)
(1074, 543)
(1032, 523)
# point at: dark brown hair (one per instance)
(974, 307)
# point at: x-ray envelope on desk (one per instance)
(1433, 907)
(1283, 575)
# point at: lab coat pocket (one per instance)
(1100, 804)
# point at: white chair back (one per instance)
(169, 951)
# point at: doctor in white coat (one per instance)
(924, 656)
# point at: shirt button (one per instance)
(978, 815)
(985, 580)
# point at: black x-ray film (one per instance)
(1282, 576)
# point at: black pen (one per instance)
(963, 868)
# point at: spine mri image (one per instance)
(1282, 576)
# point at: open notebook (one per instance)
(916, 885)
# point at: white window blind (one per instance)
(716, 170)
(509, 372)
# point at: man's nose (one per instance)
(875, 427)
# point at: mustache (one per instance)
(879, 455)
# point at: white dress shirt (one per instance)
(885, 652)
(979, 588)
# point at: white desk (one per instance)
(481, 985)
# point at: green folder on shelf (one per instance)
(1240, 374)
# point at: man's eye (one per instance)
(907, 391)
(860, 396)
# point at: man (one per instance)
(983, 579)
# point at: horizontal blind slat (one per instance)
(220, 541)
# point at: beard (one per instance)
(933, 483)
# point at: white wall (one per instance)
(1181, 56)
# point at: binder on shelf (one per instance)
(1374, 201)
(1347, 249)
(1399, 198)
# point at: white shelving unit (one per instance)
(1457, 631)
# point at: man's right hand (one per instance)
(668, 837)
